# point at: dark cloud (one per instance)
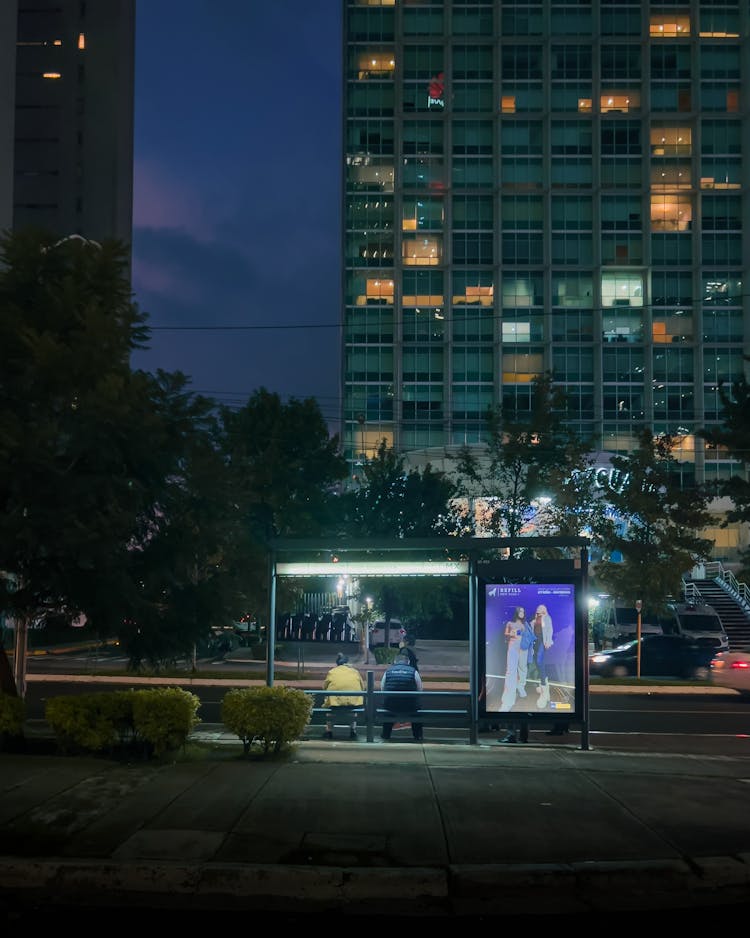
(237, 201)
(206, 289)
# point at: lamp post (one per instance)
(638, 607)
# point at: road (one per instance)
(663, 721)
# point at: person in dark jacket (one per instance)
(413, 660)
(401, 676)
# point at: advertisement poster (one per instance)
(529, 648)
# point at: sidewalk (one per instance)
(436, 830)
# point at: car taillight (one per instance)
(740, 665)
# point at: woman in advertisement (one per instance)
(513, 631)
(543, 641)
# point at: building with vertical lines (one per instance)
(543, 186)
(66, 116)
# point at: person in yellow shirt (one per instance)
(340, 706)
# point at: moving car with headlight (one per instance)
(732, 669)
(673, 656)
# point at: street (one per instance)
(654, 721)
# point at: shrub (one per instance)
(154, 719)
(164, 717)
(385, 655)
(12, 718)
(270, 716)
(90, 721)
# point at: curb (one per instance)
(544, 889)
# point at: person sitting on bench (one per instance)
(401, 676)
(342, 677)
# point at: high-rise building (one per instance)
(554, 186)
(66, 116)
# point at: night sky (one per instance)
(237, 195)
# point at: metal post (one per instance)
(638, 607)
(271, 626)
(19, 656)
(583, 601)
(370, 706)
(473, 651)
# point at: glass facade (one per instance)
(543, 186)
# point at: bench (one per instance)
(439, 718)
(322, 714)
(426, 717)
(371, 714)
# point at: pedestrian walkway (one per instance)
(454, 830)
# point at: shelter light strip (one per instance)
(375, 568)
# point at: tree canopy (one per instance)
(393, 501)
(127, 498)
(659, 525)
(532, 470)
(734, 436)
(84, 446)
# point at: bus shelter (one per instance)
(527, 608)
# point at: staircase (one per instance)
(729, 598)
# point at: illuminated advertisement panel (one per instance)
(528, 649)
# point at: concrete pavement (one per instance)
(439, 830)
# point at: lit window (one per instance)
(422, 252)
(620, 102)
(669, 25)
(81, 41)
(671, 141)
(516, 332)
(481, 295)
(51, 75)
(671, 212)
(374, 65)
(380, 290)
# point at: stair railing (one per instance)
(740, 592)
(737, 590)
(691, 593)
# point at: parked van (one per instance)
(625, 624)
(702, 624)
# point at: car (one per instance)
(661, 655)
(732, 669)
(396, 634)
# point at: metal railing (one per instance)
(729, 582)
(461, 714)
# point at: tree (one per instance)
(532, 470)
(284, 471)
(414, 600)
(399, 503)
(187, 567)
(392, 501)
(659, 524)
(84, 448)
(734, 436)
